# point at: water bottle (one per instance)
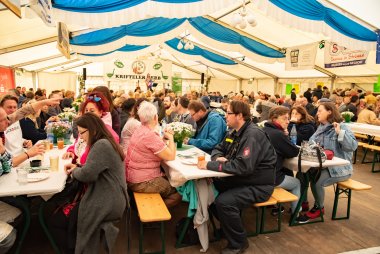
(49, 132)
(163, 127)
(293, 135)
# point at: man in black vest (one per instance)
(247, 154)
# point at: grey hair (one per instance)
(147, 111)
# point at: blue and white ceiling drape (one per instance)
(111, 13)
(196, 54)
(159, 30)
(317, 18)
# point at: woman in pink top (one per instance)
(97, 104)
(145, 152)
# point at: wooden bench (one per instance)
(151, 208)
(360, 144)
(279, 196)
(346, 187)
(362, 136)
(376, 150)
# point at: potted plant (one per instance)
(347, 115)
(181, 131)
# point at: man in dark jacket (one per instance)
(247, 154)
(318, 92)
(307, 95)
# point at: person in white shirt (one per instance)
(14, 143)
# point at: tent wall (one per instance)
(223, 86)
(60, 81)
(24, 79)
(263, 85)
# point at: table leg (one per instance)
(45, 228)
(23, 203)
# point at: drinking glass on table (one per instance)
(60, 143)
(22, 175)
(54, 162)
(201, 157)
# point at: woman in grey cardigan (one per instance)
(106, 195)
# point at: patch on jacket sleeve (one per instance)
(246, 152)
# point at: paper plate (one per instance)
(189, 161)
(35, 177)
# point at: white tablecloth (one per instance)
(54, 184)
(367, 129)
(292, 163)
(178, 173)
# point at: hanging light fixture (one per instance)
(185, 44)
(243, 17)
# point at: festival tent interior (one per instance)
(234, 45)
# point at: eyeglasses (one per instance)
(83, 132)
(94, 98)
(192, 115)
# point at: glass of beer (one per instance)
(54, 162)
(60, 143)
(47, 144)
(201, 157)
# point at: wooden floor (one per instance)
(362, 230)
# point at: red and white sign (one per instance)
(339, 56)
(7, 80)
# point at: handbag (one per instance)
(69, 197)
(310, 151)
(329, 154)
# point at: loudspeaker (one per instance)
(202, 78)
(84, 74)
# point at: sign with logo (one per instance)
(177, 83)
(301, 57)
(63, 43)
(44, 10)
(339, 56)
(7, 80)
(149, 71)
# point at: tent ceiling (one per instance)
(21, 31)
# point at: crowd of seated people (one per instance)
(127, 125)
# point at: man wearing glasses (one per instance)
(211, 127)
(248, 155)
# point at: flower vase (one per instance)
(347, 118)
(179, 143)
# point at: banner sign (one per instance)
(177, 83)
(44, 10)
(301, 57)
(338, 56)
(7, 80)
(376, 86)
(288, 88)
(63, 43)
(151, 72)
(378, 48)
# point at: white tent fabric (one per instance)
(270, 28)
(142, 11)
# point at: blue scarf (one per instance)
(320, 133)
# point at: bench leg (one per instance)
(339, 192)
(355, 153)
(375, 158)
(141, 238)
(162, 229)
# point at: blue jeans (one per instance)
(293, 185)
(324, 180)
